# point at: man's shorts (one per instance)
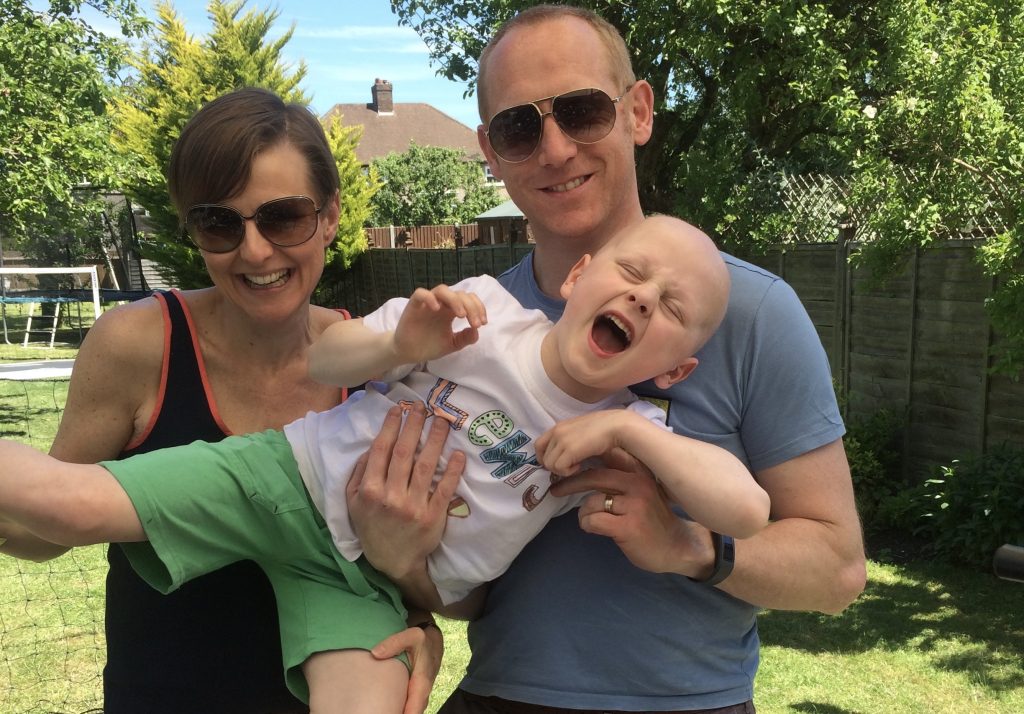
(206, 505)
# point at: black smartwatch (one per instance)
(725, 558)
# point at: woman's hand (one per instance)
(425, 649)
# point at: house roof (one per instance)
(386, 132)
(507, 209)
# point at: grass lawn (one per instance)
(923, 638)
(51, 633)
(75, 320)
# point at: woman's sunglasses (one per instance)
(584, 115)
(285, 222)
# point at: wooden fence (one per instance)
(917, 344)
(441, 236)
(381, 274)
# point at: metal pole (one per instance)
(3, 288)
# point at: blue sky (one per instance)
(346, 45)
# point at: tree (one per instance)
(943, 152)
(357, 190)
(177, 74)
(56, 76)
(918, 102)
(740, 85)
(429, 185)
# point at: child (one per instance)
(502, 377)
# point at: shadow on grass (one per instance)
(921, 606)
(12, 422)
(819, 708)
(30, 411)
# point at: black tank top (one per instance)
(212, 646)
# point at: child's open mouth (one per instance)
(610, 334)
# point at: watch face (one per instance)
(728, 549)
(725, 557)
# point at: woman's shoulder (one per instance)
(124, 343)
(323, 317)
(130, 324)
(116, 374)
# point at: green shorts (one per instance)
(204, 506)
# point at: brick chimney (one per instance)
(381, 92)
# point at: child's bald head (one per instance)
(691, 254)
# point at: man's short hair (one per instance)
(622, 66)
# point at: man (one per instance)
(646, 611)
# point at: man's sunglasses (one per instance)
(285, 222)
(584, 115)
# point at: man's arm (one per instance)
(400, 516)
(348, 353)
(396, 508)
(809, 557)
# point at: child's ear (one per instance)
(676, 374)
(573, 276)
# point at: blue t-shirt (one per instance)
(573, 623)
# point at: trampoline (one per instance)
(57, 298)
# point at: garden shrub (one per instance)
(873, 452)
(973, 506)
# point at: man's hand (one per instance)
(397, 510)
(424, 330)
(425, 649)
(640, 522)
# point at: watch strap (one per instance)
(725, 559)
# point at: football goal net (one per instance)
(51, 614)
(42, 303)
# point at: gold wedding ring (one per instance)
(609, 501)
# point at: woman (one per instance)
(259, 176)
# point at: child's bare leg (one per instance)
(67, 504)
(353, 682)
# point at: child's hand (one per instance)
(562, 448)
(424, 330)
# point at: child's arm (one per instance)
(67, 504)
(712, 485)
(348, 353)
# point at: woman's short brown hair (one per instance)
(212, 158)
